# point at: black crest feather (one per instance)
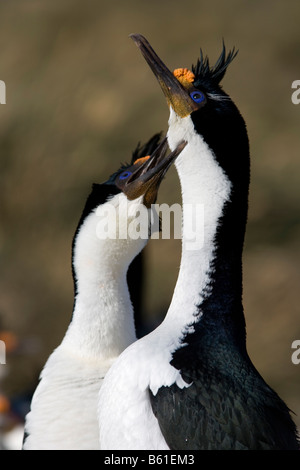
(203, 70)
(146, 149)
(140, 152)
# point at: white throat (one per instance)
(203, 183)
(103, 324)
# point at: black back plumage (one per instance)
(225, 408)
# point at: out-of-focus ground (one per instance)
(79, 96)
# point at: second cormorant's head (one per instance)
(114, 226)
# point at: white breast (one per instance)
(125, 415)
(64, 404)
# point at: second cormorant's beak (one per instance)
(178, 93)
(143, 178)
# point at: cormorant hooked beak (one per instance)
(143, 178)
(178, 94)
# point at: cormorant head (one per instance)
(142, 177)
(138, 180)
(188, 91)
(197, 94)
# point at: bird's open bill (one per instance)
(177, 95)
(146, 174)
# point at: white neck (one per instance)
(203, 183)
(103, 322)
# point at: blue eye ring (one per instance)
(125, 175)
(197, 96)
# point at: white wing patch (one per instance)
(132, 424)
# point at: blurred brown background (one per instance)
(79, 98)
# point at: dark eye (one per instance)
(125, 175)
(197, 96)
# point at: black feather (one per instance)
(203, 70)
(146, 149)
